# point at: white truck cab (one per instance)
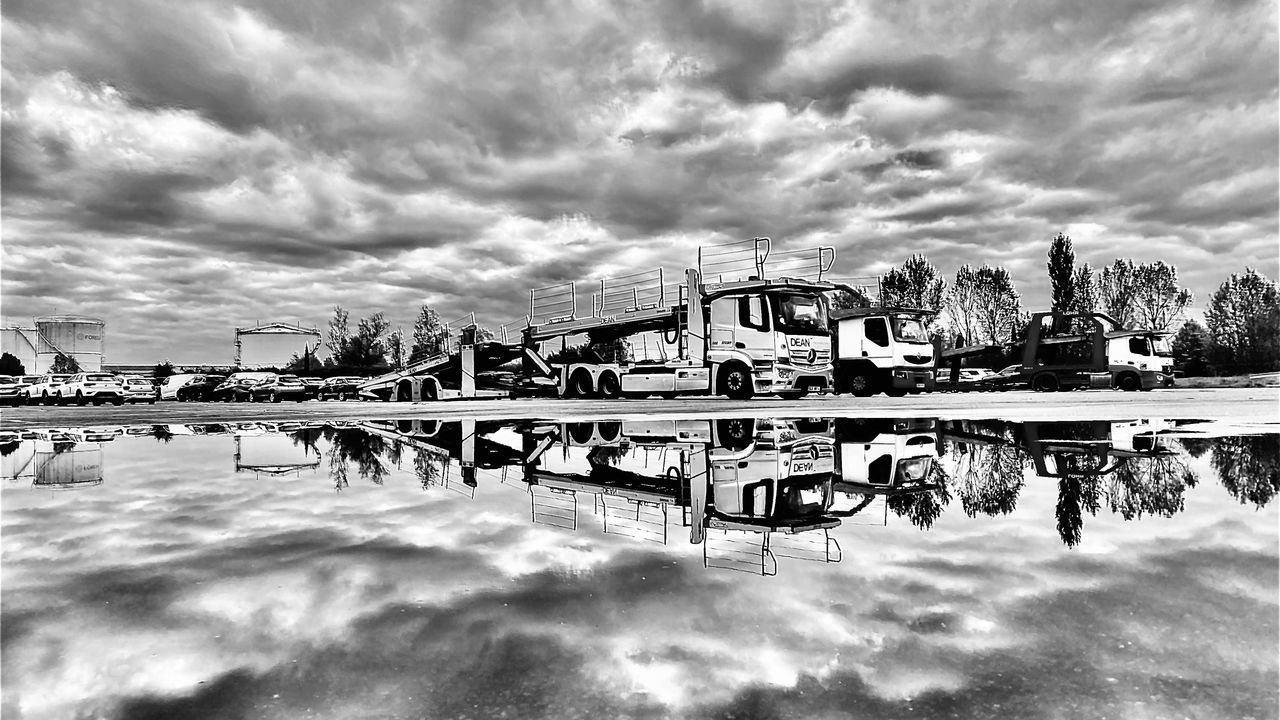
(882, 350)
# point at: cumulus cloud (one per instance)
(262, 161)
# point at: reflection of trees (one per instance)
(1248, 466)
(1151, 485)
(1196, 447)
(923, 508)
(364, 450)
(161, 433)
(9, 448)
(606, 455)
(989, 473)
(307, 438)
(428, 466)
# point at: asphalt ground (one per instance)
(1238, 405)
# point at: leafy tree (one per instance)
(917, 284)
(396, 349)
(65, 364)
(851, 299)
(339, 335)
(429, 334)
(11, 365)
(1118, 290)
(1159, 300)
(1249, 467)
(1146, 295)
(1062, 273)
(1244, 324)
(367, 348)
(997, 304)
(1086, 287)
(962, 303)
(1190, 349)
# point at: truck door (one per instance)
(876, 345)
(752, 330)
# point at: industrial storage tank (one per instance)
(274, 344)
(76, 336)
(20, 342)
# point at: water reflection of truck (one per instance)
(738, 483)
(882, 457)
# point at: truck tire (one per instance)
(735, 433)
(860, 383)
(1129, 382)
(1044, 382)
(735, 382)
(610, 386)
(579, 385)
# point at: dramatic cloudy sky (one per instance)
(179, 169)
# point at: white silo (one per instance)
(20, 342)
(76, 336)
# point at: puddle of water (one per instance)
(790, 567)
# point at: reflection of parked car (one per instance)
(45, 389)
(237, 385)
(199, 389)
(277, 388)
(339, 388)
(83, 388)
(140, 390)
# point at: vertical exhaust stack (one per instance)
(697, 324)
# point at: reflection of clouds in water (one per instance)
(393, 598)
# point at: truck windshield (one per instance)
(803, 314)
(908, 329)
(1161, 346)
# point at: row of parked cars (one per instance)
(100, 388)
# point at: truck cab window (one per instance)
(877, 331)
(1138, 346)
(751, 312)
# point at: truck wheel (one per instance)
(860, 384)
(735, 433)
(579, 385)
(1045, 382)
(735, 382)
(610, 386)
(1129, 382)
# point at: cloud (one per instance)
(384, 157)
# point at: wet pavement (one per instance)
(720, 565)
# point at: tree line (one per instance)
(374, 345)
(982, 306)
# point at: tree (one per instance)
(395, 349)
(997, 304)
(367, 348)
(339, 335)
(1086, 291)
(962, 303)
(429, 334)
(851, 299)
(1062, 273)
(1118, 289)
(917, 284)
(1159, 300)
(1190, 349)
(162, 370)
(1144, 294)
(65, 364)
(1243, 318)
(11, 365)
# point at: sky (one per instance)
(182, 169)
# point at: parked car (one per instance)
(340, 388)
(170, 386)
(199, 389)
(11, 388)
(45, 389)
(98, 388)
(313, 385)
(140, 390)
(237, 385)
(1004, 379)
(277, 388)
